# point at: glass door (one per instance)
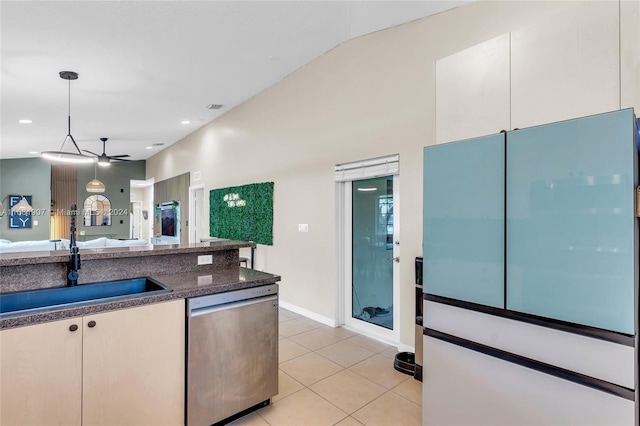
(373, 245)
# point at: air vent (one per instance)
(213, 106)
(158, 144)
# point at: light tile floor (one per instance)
(332, 376)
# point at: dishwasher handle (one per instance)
(217, 308)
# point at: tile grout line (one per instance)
(402, 396)
(386, 390)
(342, 369)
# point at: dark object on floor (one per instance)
(370, 311)
(405, 362)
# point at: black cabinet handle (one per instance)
(91, 324)
(73, 327)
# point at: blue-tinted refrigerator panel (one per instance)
(464, 220)
(570, 221)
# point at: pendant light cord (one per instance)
(75, 156)
(69, 111)
(68, 121)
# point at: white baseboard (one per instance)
(307, 313)
(332, 323)
(400, 346)
(406, 348)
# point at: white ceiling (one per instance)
(145, 66)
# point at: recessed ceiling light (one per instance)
(274, 58)
(213, 106)
(25, 121)
(149, 147)
(33, 152)
(185, 122)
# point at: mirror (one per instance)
(97, 211)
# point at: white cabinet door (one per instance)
(134, 366)
(41, 374)
(566, 66)
(630, 55)
(472, 91)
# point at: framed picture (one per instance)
(19, 220)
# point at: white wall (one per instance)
(369, 97)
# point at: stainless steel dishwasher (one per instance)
(232, 353)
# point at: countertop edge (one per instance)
(20, 320)
(59, 256)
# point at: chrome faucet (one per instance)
(74, 256)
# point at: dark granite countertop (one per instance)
(38, 257)
(184, 285)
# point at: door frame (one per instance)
(344, 265)
(195, 232)
(132, 221)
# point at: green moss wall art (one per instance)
(242, 213)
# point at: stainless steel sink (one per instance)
(32, 301)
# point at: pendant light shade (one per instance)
(68, 156)
(95, 185)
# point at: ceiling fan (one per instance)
(104, 159)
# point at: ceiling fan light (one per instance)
(104, 162)
(66, 157)
(95, 186)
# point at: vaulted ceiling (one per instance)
(147, 66)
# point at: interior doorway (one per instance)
(141, 192)
(135, 213)
(196, 213)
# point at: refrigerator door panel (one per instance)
(464, 220)
(570, 221)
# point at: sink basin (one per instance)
(31, 301)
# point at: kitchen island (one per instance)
(173, 265)
(116, 362)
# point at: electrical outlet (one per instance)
(205, 280)
(35, 223)
(303, 227)
(205, 260)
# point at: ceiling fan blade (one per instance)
(86, 150)
(109, 157)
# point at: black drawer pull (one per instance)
(91, 324)
(73, 327)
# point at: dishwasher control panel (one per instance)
(231, 296)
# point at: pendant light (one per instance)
(95, 185)
(66, 156)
